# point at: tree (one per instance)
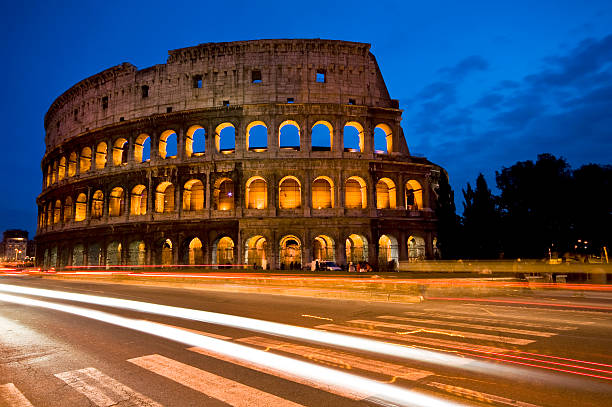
(449, 224)
(481, 221)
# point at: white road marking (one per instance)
(338, 358)
(450, 332)
(102, 390)
(477, 395)
(195, 331)
(11, 396)
(220, 388)
(473, 326)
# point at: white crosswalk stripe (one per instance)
(341, 359)
(102, 390)
(10, 396)
(220, 388)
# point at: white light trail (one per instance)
(333, 381)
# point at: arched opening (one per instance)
(72, 164)
(289, 193)
(166, 252)
(48, 175)
(193, 195)
(54, 173)
(414, 195)
(356, 249)
(416, 248)
(116, 202)
(53, 257)
(224, 195)
(120, 152)
(97, 203)
(388, 255)
(353, 137)
(436, 250)
(322, 135)
(323, 249)
(68, 210)
(355, 193)
(113, 254)
(77, 254)
(138, 198)
(290, 257)
(101, 152)
(223, 251)
(195, 254)
(322, 193)
(383, 140)
(385, 194)
(137, 253)
(85, 159)
(225, 138)
(94, 255)
(80, 210)
(255, 252)
(57, 211)
(257, 136)
(195, 141)
(289, 135)
(61, 171)
(167, 144)
(164, 198)
(256, 193)
(142, 148)
(50, 214)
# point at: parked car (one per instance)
(329, 266)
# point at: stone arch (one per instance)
(386, 196)
(116, 202)
(72, 164)
(289, 193)
(97, 204)
(48, 175)
(142, 148)
(194, 252)
(256, 193)
(137, 253)
(54, 173)
(322, 136)
(416, 248)
(101, 153)
(414, 195)
(168, 144)
(94, 254)
(356, 248)
(68, 209)
(61, 170)
(290, 252)
(166, 254)
(57, 211)
(355, 193)
(195, 141)
(388, 253)
(113, 253)
(257, 136)
(85, 160)
(323, 248)
(383, 139)
(290, 138)
(164, 197)
(78, 252)
(223, 196)
(255, 251)
(193, 195)
(322, 192)
(80, 210)
(120, 152)
(138, 197)
(354, 139)
(225, 138)
(223, 250)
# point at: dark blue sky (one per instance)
(482, 84)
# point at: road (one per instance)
(94, 351)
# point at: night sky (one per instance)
(482, 84)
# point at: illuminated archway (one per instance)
(142, 148)
(289, 193)
(120, 152)
(137, 253)
(164, 197)
(225, 138)
(195, 253)
(289, 135)
(138, 205)
(168, 144)
(195, 141)
(166, 253)
(85, 161)
(57, 210)
(61, 170)
(101, 152)
(355, 193)
(323, 248)
(113, 253)
(68, 210)
(255, 252)
(193, 195)
(223, 251)
(78, 252)
(116, 202)
(416, 248)
(97, 203)
(356, 248)
(322, 136)
(256, 193)
(414, 195)
(54, 173)
(383, 139)
(257, 136)
(80, 211)
(388, 255)
(353, 137)
(322, 193)
(290, 256)
(224, 195)
(72, 164)
(385, 194)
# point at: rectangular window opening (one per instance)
(290, 100)
(226, 103)
(255, 76)
(145, 91)
(320, 76)
(169, 109)
(352, 102)
(76, 114)
(197, 82)
(105, 102)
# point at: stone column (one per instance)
(180, 143)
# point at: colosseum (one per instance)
(269, 154)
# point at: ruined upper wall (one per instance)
(288, 70)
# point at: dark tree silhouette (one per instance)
(449, 224)
(481, 222)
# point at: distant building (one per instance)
(14, 245)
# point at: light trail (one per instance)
(545, 304)
(321, 377)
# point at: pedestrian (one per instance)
(351, 267)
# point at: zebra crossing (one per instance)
(412, 328)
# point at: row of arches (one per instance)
(257, 252)
(289, 137)
(256, 197)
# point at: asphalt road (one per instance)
(57, 352)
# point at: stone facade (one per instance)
(207, 193)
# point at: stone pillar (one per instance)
(180, 143)
(178, 198)
(403, 246)
(341, 249)
(273, 137)
(207, 191)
